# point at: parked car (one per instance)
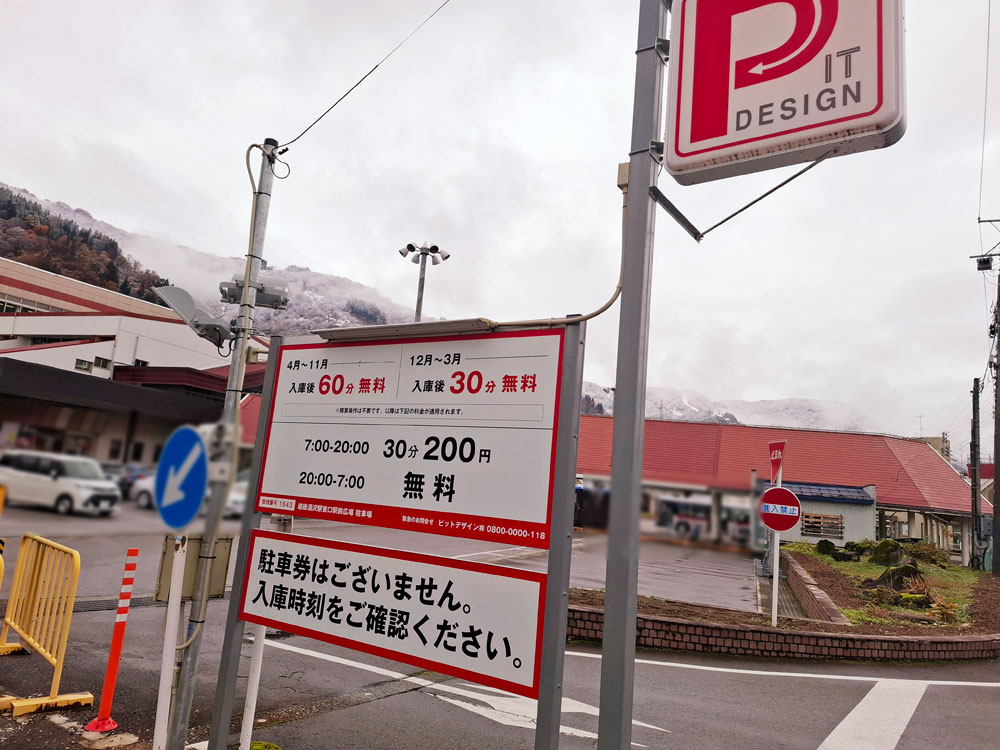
(66, 483)
(145, 494)
(237, 498)
(117, 474)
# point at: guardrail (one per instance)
(39, 611)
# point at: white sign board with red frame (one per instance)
(469, 620)
(452, 435)
(758, 84)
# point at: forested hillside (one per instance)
(31, 235)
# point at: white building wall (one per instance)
(159, 343)
(859, 522)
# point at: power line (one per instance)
(361, 80)
(986, 93)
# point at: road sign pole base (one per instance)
(102, 725)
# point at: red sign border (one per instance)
(675, 145)
(760, 508)
(560, 333)
(770, 450)
(442, 562)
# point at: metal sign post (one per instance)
(618, 662)
(229, 661)
(780, 510)
(550, 692)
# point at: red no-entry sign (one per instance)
(779, 509)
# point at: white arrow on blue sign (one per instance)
(181, 478)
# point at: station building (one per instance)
(93, 372)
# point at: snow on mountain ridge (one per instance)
(316, 300)
(692, 406)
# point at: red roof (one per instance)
(249, 416)
(907, 474)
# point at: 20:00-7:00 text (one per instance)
(351, 481)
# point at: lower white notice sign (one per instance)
(470, 620)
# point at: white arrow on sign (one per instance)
(173, 493)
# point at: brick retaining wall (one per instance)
(813, 599)
(660, 632)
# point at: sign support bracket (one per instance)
(550, 687)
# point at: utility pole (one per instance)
(994, 328)
(181, 708)
(974, 463)
(614, 730)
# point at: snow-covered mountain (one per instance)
(318, 300)
(691, 406)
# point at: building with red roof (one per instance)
(918, 493)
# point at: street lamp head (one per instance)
(435, 260)
(415, 257)
(432, 248)
(444, 254)
(410, 247)
(404, 251)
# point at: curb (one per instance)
(586, 623)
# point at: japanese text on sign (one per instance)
(451, 616)
(451, 436)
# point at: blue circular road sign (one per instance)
(181, 478)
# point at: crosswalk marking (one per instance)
(879, 719)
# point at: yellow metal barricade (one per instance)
(39, 611)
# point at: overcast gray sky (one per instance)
(495, 132)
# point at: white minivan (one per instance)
(66, 483)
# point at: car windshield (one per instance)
(81, 469)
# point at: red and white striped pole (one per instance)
(104, 722)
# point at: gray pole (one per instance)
(229, 662)
(420, 285)
(974, 463)
(618, 652)
(550, 684)
(996, 439)
(181, 710)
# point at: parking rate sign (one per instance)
(447, 435)
(469, 620)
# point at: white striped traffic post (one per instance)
(104, 722)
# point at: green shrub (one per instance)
(887, 552)
(926, 552)
(862, 547)
(825, 547)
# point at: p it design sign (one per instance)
(758, 84)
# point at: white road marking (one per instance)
(808, 675)
(489, 552)
(502, 707)
(880, 719)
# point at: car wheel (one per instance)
(64, 505)
(683, 530)
(144, 500)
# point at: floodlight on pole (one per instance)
(419, 254)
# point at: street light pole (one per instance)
(420, 255)
(420, 287)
